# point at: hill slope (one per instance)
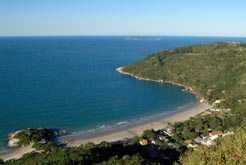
(214, 71)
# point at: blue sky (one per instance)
(123, 17)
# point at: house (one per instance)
(215, 134)
(198, 140)
(188, 141)
(168, 133)
(169, 130)
(228, 133)
(42, 141)
(217, 101)
(143, 142)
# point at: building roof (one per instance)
(188, 141)
(215, 133)
(143, 142)
(198, 139)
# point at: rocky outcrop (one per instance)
(12, 141)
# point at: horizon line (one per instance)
(123, 35)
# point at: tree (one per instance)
(149, 134)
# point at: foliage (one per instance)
(149, 134)
(214, 71)
(45, 147)
(85, 154)
(125, 160)
(33, 136)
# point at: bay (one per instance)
(70, 82)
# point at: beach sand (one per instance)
(138, 130)
(16, 153)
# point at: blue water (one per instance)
(70, 82)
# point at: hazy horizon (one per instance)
(132, 35)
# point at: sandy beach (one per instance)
(16, 153)
(138, 130)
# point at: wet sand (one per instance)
(138, 130)
(16, 153)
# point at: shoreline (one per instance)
(186, 88)
(137, 130)
(124, 125)
(16, 153)
(114, 134)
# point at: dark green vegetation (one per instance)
(214, 72)
(33, 136)
(103, 153)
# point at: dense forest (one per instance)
(215, 71)
(217, 74)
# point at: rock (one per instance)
(13, 142)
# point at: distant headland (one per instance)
(141, 38)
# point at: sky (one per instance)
(123, 17)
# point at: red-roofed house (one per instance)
(215, 134)
(188, 141)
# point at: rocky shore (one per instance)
(185, 88)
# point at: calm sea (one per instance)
(70, 82)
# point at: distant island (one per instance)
(142, 38)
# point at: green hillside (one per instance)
(214, 71)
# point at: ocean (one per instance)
(70, 82)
